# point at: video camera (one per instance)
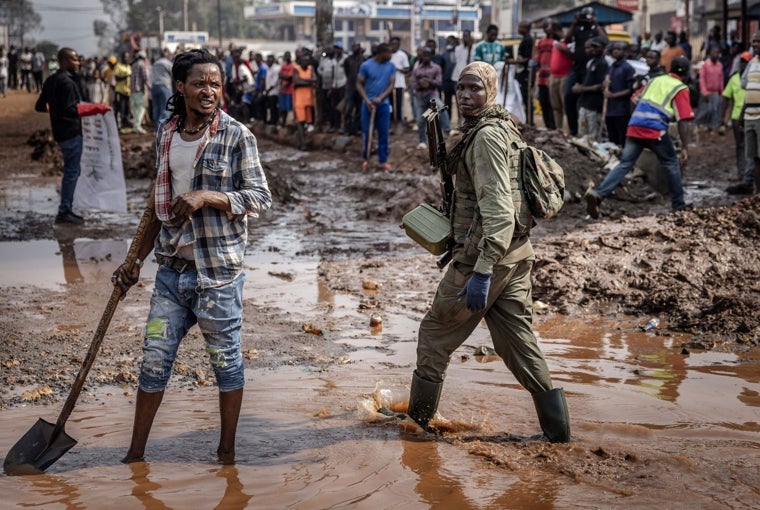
(586, 16)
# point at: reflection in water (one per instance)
(144, 487)
(71, 272)
(66, 494)
(233, 499)
(649, 360)
(424, 460)
(441, 489)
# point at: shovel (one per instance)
(369, 135)
(46, 442)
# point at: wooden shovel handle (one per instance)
(371, 128)
(105, 320)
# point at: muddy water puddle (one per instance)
(648, 423)
(652, 425)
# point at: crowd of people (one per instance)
(209, 175)
(579, 80)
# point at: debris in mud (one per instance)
(288, 277)
(376, 324)
(36, 394)
(308, 327)
(371, 285)
(484, 350)
(696, 268)
(46, 150)
(652, 324)
(250, 354)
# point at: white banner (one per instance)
(101, 183)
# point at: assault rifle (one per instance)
(437, 153)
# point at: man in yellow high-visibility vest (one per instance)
(663, 99)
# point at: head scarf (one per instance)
(487, 74)
(486, 113)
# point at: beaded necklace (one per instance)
(208, 121)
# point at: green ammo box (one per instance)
(428, 227)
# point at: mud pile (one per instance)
(45, 150)
(698, 270)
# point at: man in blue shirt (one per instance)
(617, 91)
(260, 97)
(376, 79)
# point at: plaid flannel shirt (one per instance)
(227, 161)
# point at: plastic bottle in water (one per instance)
(651, 324)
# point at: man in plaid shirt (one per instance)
(209, 180)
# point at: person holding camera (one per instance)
(583, 28)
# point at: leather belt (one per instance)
(178, 264)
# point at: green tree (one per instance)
(21, 19)
(202, 15)
(48, 48)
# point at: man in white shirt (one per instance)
(272, 91)
(463, 54)
(400, 59)
(240, 88)
(334, 83)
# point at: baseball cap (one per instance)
(746, 56)
(680, 66)
(113, 60)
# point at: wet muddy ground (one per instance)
(670, 414)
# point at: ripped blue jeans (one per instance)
(174, 308)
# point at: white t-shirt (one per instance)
(401, 61)
(181, 157)
(245, 75)
(273, 79)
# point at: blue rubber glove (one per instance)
(476, 292)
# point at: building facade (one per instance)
(372, 22)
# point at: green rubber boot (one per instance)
(423, 400)
(551, 408)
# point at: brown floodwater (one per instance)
(650, 424)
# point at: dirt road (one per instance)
(671, 410)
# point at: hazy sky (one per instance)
(69, 23)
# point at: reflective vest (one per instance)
(654, 109)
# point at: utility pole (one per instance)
(160, 27)
(323, 20)
(219, 21)
(184, 13)
(416, 25)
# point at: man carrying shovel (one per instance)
(209, 180)
(374, 84)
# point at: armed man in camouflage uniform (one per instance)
(489, 277)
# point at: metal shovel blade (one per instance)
(37, 449)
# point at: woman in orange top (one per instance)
(303, 97)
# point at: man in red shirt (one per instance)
(711, 88)
(543, 56)
(560, 63)
(286, 87)
(665, 98)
